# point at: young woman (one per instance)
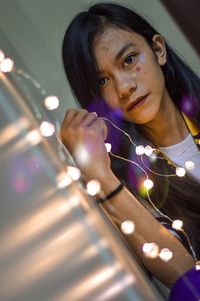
(121, 68)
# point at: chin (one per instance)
(141, 121)
(144, 114)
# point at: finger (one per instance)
(79, 118)
(89, 119)
(72, 115)
(69, 116)
(100, 126)
(104, 129)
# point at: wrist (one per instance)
(108, 182)
(112, 194)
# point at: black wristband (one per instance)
(112, 193)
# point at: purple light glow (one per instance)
(23, 172)
(187, 287)
(103, 110)
(189, 106)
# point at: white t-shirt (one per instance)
(183, 151)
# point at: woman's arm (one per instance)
(83, 134)
(124, 206)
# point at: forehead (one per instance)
(114, 38)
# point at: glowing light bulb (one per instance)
(82, 154)
(197, 266)
(6, 65)
(189, 165)
(2, 55)
(165, 254)
(140, 150)
(153, 157)
(148, 184)
(180, 171)
(51, 102)
(177, 224)
(33, 137)
(128, 227)
(148, 150)
(63, 180)
(108, 147)
(47, 129)
(93, 187)
(150, 250)
(73, 172)
(74, 200)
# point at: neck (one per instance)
(168, 127)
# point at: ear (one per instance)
(159, 49)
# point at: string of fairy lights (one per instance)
(93, 187)
(148, 184)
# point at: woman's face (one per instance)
(130, 76)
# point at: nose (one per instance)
(126, 85)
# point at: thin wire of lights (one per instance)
(148, 196)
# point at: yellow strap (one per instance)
(192, 125)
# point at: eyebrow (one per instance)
(120, 52)
(123, 49)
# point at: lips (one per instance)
(136, 102)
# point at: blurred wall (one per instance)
(35, 28)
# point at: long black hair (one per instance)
(177, 197)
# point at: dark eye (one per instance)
(129, 60)
(102, 81)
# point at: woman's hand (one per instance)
(83, 134)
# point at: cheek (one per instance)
(151, 73)
(147, 64)
(142, 73)
(138, 69)
(142, 62)
(110, 97)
